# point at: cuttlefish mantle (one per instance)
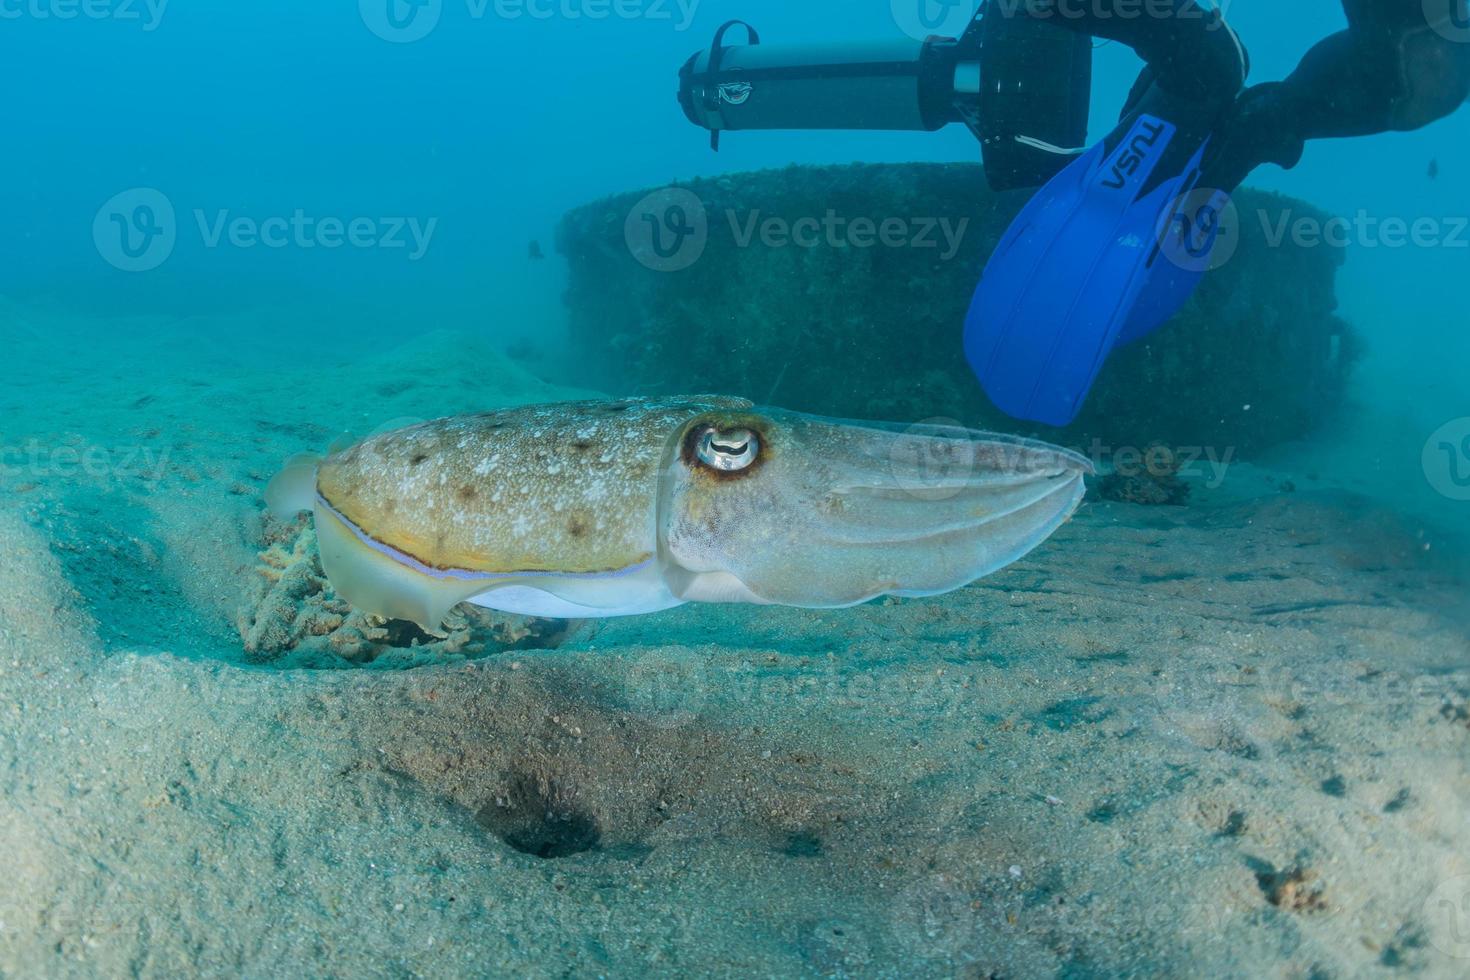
(613, 508)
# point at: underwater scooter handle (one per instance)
(1029, 122)
(712, 96)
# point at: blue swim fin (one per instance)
(1081, 269)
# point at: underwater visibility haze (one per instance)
(455, 522)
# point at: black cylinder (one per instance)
(896, 85)
(1031, 98)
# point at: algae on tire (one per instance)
(847, 325)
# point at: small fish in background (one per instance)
(1433, 169)
(534, 252)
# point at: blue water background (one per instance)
(495, 124)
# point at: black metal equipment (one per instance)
(1021, 85)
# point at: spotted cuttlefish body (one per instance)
(612, 508)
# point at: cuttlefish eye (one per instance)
(728, 451)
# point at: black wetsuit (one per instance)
(1400, 65)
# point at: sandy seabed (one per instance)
(1224, 740)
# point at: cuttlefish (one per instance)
(613, 508)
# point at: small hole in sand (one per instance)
(539, 816)
(802, 843)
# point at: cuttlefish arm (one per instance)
(617, 508)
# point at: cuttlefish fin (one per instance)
(294, 488)
(341, 444)
(374, 582)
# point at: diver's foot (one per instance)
(1262, 127)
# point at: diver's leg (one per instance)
(1392, 70)
(1191, 52)
(1031, 127)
